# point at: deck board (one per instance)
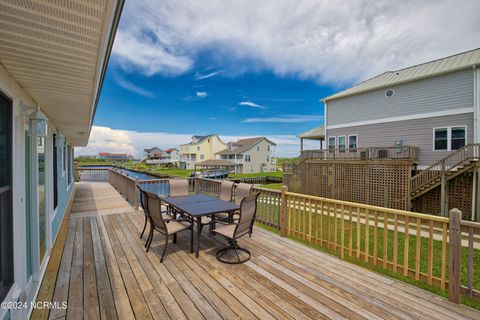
(105, 273)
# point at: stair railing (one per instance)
(436, 170)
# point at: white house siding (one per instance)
(418, 132)
(445, 93)
(258, 158)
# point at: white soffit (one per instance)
(56, 50)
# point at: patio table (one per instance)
(198, 205)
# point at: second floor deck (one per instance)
(383, 153)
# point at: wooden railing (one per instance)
(400, 153)
(454, 159)
(439, 251)
(268, 203)
(470, 237)
(91, 174)
(396, 240)
(125, 185)
(259, 180)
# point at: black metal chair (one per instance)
(233, 253)
(164, 226)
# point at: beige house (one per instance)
(199, 149)
(252, 155)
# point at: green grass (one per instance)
(424, 243)
(277, 174)
(156, 169)
(273, 186)
(81, 161)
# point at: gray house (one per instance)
(434, 106)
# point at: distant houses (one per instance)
(199, 149)
(250, 155)
(115, 156)
(156, 155)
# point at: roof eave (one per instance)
(332, 97)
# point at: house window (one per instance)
(332, 141)
(341, 143)
(458, 138)
(70, 164)
(268, 148)
(202, 157)
(258, 148)
(247, 158)
(441, 139)
(449, 138)
(55, 174)
(64, 158)
(198, 148)
(352, 141)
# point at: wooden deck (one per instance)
(105, 273)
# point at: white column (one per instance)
(476, 105)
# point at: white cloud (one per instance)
(201, 94)
(286, 119)
(329, 41)
(251, 104)
(124, 83)
(207, 76)
(104, 139)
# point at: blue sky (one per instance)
(254, 103)
(248, 68)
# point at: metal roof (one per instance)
(449, 64)
(315, 133)
(243, 145)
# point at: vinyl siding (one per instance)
(442, 93)
(418, 133)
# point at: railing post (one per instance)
(283, 212)
(455, 240)
(136, 194)
(196, 185)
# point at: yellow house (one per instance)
(199, 149)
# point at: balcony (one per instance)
(377, 153)
(100, 267)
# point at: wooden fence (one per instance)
(439, 251)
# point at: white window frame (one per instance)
(334, 144)
(449, 136)
(348, 140)
(338, 142)
(64, 155)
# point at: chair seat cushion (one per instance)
(206, 220)
(226, 230)
(175, 226)
(221, 216)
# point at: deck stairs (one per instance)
(453, 165)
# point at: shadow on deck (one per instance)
(100, 268)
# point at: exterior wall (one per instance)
(204, 150)
(259, 154)
(418, 132)
(25, 285)
(439, 94)
(258, 158)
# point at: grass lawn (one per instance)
(277, 174)
(273, 186)
(322, 233)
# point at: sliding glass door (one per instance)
(6, 217)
